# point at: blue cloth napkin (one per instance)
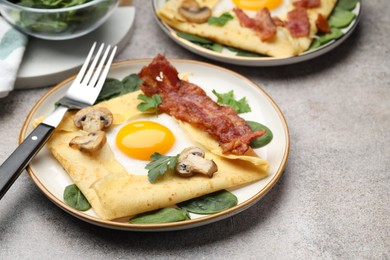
(12, 46)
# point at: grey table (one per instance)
(332, 202)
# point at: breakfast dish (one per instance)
(111, 186)
(258, 33)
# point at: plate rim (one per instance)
(164, 226)
(256, 61)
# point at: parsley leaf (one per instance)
(149, 102)
(159, 165)
(220, 20)
(241, 106)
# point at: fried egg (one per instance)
(133, 142)
(255, 5)
(140, 139)
(276, 7)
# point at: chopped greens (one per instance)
(341, 18)
(241, 106)
(210, 203)
(68, 21)
(220, 20)
(165, 215)
(150, 103)
(159, 165)
(75, 198)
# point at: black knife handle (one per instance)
(14, 165)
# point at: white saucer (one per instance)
(47, 63)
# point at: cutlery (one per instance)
(83, 92)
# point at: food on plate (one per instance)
(189, 103)
(278, 29)
(92, 120)
(117, 185)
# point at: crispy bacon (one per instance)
(322, 24)
(263, 23)
(277, 21)
(307, 3)
(188, 102)
(298, 22)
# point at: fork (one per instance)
(83, 92)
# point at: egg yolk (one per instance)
(255, 5)
(141, 139)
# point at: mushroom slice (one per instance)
(191, 160)
(192, 12)
(92, 119)
(91, 142)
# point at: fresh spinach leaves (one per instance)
(210, 203)
(262, 140)
(164, 215)
(75, 198)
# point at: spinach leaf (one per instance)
(210, 203)
(341, 18)
(75, 198)
(194, 38)
(131, 83)
(220, 20)
(262, 140)
(114, 87)
(165, 215)
(243, 53)
(347, 4)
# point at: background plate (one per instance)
(231, 58)
(51, 179)
(46, 62)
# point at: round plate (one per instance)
(49, 176)
(46, 62)
(228, 57)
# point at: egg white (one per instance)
(226, 5)
(137, 167)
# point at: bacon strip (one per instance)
(263, 23)
(307, 3)
(298, 22)
(322, 24)
(188, 102)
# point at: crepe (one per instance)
(234, 35)
(115, 192)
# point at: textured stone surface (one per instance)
(332, 201)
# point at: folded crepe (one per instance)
(233, 34)
(116, 192)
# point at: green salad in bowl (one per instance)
(57, 19)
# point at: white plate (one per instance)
(46, 62)
(49, 176)
(229, 57)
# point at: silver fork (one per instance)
(83, 92)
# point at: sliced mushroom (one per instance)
(192, 12)
(91, 142)
(92, 119)
(191, 160)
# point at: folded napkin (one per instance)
(12, 46)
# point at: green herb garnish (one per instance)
(75, 198)
(241, 106)
(220, 20)
(159, 165)
(150, 103)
